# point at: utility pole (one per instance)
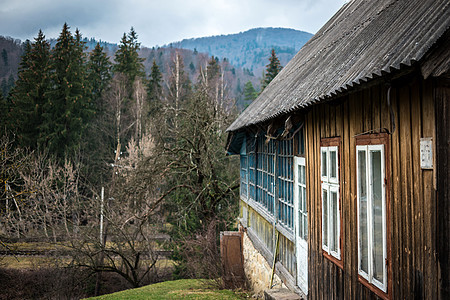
(101, 214)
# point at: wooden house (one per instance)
(344, 157)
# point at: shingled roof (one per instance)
(364, 40)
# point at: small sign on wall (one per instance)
(426, 153)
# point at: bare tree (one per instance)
(139, 95)
(12, 161)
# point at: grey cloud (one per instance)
(160, 22)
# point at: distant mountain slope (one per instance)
(246, 56)
(10, 55)
(250, 49)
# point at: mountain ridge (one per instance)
(243, 55)
(249, 49)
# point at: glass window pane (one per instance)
(291, 217)
(302, 175)
(362, 188)
(377, 215)
(300, 198)
(334, 221)
(305, 210)
(300, 224)
(305, 227)
(325, 217)
(333, 164)
(362, 191)
(324, 163)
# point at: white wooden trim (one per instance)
(334, 189)
(336, 165)
(302, 283)
(323, 150)
(323, 188)
(369, 149)
(359, 148)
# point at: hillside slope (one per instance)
(250, 49)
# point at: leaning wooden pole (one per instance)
(275, 253)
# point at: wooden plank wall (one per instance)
(442, 96)
(412, 190)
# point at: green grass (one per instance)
(178, 289)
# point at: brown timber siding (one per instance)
(412, 202)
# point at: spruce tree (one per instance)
(272, 69)
(5, 57)
(67, 110)
(130, 67)
(213, 69)
(3, 115)
(28, 94)
(98, 140)
(250, 93)
(154, 87)
(127, 57)
(99, 76)
(4, 88)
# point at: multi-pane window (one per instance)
(259, 176)
(285, 183)
(372, 250)
(331, 216)
(251, 153)
(244, 176)
(302, 210)
(265, 187)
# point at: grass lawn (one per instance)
(178, 289)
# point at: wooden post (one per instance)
(101, 215)
(275, 253)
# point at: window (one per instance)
(244, 176)
(251, 152)
(302, 209)
(331, 212)
(265, 173)
(285, 160)
(371, 197)
(244, 170)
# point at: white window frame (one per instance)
(244, 180)
(243, 154)
(330, 184)
(369, 276)
(301, 237)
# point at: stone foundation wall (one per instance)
(257, 269)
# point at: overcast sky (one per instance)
(160, 22)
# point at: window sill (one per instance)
(261, 210)
(373, 288)
(285, 231)
(244, 199)
(337, 262)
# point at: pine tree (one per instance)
(67, 110)
(28, 95)
(272, 69)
